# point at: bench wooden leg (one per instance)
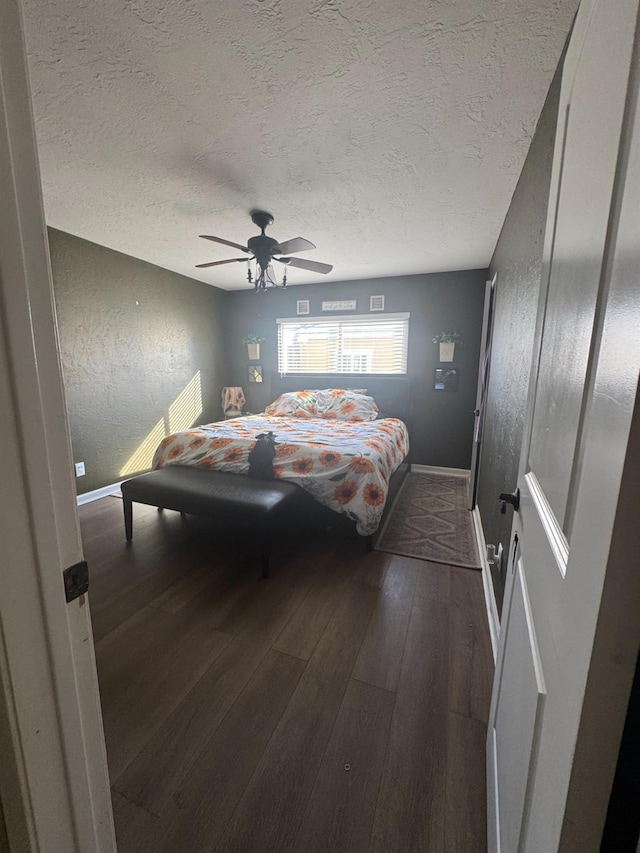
(128, 518)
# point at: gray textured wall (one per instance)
(132, 336)
(4, 841)
(518, 261)
(442, 426)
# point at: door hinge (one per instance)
(76, 580)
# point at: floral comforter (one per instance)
(344, 465)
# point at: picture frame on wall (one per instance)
(376, 303)
(302, 306)
(255, 373)
(446, 379)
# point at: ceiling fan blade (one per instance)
(217, 263)
(297, 244)
(225, 242)
(312, 266)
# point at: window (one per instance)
(352, 344)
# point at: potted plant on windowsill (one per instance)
(447, 342)
(253, 345)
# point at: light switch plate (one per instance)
(80, 472)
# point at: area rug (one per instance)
(430, 521)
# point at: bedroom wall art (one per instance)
(339, 305)
(446, 379)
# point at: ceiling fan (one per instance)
(264, 249)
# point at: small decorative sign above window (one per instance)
(376, 303)
(340, 305)
(302, 306)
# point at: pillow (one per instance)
(345, 405)
(297, 404)
(330, 403)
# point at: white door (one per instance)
(581, 402)
(54, 786)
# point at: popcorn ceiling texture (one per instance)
(389, 132)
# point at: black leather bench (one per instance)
(210, 493)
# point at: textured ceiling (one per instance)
(391, 133)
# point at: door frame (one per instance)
(54, 783)
(484, 369)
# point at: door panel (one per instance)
(518, 713)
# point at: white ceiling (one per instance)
(391, 133)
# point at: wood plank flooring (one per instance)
(338, 707)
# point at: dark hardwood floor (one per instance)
(339, 706)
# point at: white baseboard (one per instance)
(96, 494)
(436, 469)
(487, 584)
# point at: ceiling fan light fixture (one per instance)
(265, 279)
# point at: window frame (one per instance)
(359, 319)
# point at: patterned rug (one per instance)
(430, 521)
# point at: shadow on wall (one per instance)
(181, 414)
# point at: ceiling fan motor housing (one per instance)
(262, 247)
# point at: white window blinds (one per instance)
(351, 344)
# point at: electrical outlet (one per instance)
(80, 472)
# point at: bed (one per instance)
(335, 443)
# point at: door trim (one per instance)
(54, 783)
(555, 536)
(491, 605)
(484, 370)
